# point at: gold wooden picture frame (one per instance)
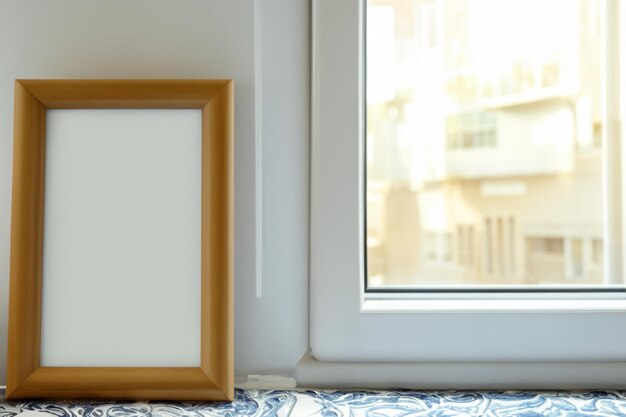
(213, 379)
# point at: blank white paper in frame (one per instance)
(121, 262)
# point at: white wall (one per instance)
(194, 39)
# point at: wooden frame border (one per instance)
(213, 380)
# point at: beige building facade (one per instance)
(484, 152)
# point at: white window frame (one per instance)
(350, 327)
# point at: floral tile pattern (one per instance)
(318, 403)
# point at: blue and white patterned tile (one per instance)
(321, 403)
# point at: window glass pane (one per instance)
(485, 143)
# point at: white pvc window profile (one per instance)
(348, 325)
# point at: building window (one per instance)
(465, 245)
(471, 130)
(438, 247)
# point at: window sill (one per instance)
(535, 375)
(445, 306)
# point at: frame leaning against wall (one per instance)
(213, 379)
